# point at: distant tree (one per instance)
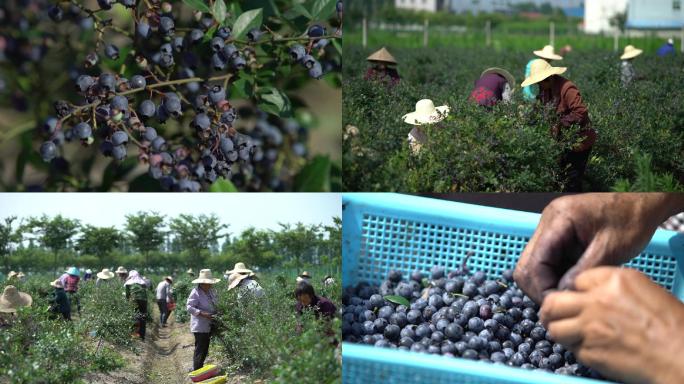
(53, 233)
(255, 248)
(99, 241)
(298, 242)
(619, 20)
(146, 232)
(196, 234)
(8, 237)
(333, 243)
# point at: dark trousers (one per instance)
(141, 317)
(163, 310)
(73, 298)
(573, 165)
(201, 350)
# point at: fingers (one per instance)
(561, 305)
(594, 277)
(566, 331)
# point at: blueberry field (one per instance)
(178, 96)
(640, 136)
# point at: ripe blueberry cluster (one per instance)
(457, 315)
(185, 79)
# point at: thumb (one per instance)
(592, 257)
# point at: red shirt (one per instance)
(389, 75)
(488, 89)
(321, 306)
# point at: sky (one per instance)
(239, 210)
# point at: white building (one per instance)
(597, 14)
(655, 14)
(421, 5)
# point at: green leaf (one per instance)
(315, 176)
(197, 4)
(397, 300)
(233, 10)
(222, 185)
(219, 11)
(323, 9)
(247, 21)
(241, 88)
(300, 10)
(277, 98)
(116, 171)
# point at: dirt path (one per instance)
(165, 357)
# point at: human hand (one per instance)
(579, 232)
(206, 315)
(620, 323)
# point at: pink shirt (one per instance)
(200, 301)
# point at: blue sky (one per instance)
(239, 210)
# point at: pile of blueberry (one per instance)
(458, 315)
(184, 76)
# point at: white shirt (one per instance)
(163, 292)
(250, 287)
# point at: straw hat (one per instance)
(121, 269)
(205, 277)
(57, 284)
(670, 41)
(548, 53)
(190, 272)
(305, 274)
(20, 275)
(106, 274)
(500, 71)
(382, 55)
(169, 278)
(426, 113)
(11, 275)
(12, 299)
(235, 279)
(89, 271)
(240, 268)
(540, 70)
(630, 52)
(73, 271)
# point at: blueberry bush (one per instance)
(509, 148)
(201, 95)
(460, 314)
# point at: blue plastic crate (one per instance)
(383, 231)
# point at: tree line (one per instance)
(152, 241)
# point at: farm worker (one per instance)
(605, 315)
(190, 272)
(88, 275)
(104, 276)
(307, 299)
(12, 276)
(530, 92)
(59, 302)
(10, 301)
(328, 281)
(667, 48)
(164, 297)
(136, 290)
(20, 276)
(565, 98)
(303, 276)
(567, 48)
(627, 73)
(246, 283)
(148, 283)
(425, 113)
(201, 306)
(382, 67)
(70, 280)
(494, 85)
(122, 273)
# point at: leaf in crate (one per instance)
(397, 300)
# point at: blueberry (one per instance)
(485, 311)
(518, 359)
(316, 30)
(178, 44)
(498, 357)
(380, 324)
(453, 331)
(48, 151)
(555, 360)
(106, 81)
(155, 172)
(429, 311)
(147, 108)
(217, 93)
(470, 354)
(223, 32)
(414, 316)
(404, 290)
(239, 62)
(173, 107)
(478, 277)
(218, 62)
(308, 61)
(470, 289)
(229, 116)
(321, 43)
(485, 334)
(119, 138)
(158, 144)
(535, 357)
(475, 324)
(516, 339)
(50, 125)
(119, 152)
(385, 312)
(436, 301)
(394, 276)
(254, 34)
(494, 346)
(297, 52)
(127, 3)
(105, 4)
(526, 326)
(454, 285)
(538, 333)
(543, 346)
(196, 35)
(392, 332)
(423, 330)
(166, 25)
(112, 51)
(217, 44)
(137, 82)
(229, 52)
(84, 82)
(143, 29)
(491, 287)
(525, 348)
(398, 318)
(55, 12)
(83, 130)
(119, 103)
(507, 275)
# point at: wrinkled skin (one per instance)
(580, 232)
(620, 323)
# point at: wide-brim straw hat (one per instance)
(73, 271)
(382, 55)
(11, 275)
(89, 271)
(190, 271)
(235, 279)
(135, 278)
(205, 277)
(548, 53)
(169, 278)
(57, 284)
(20, 275)
(500, 71)
(630, 52)
(426, 113)
(12, 299)
(121, 270)
(105, 274)
(305, 274)
(540, 70)
(240, 268)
